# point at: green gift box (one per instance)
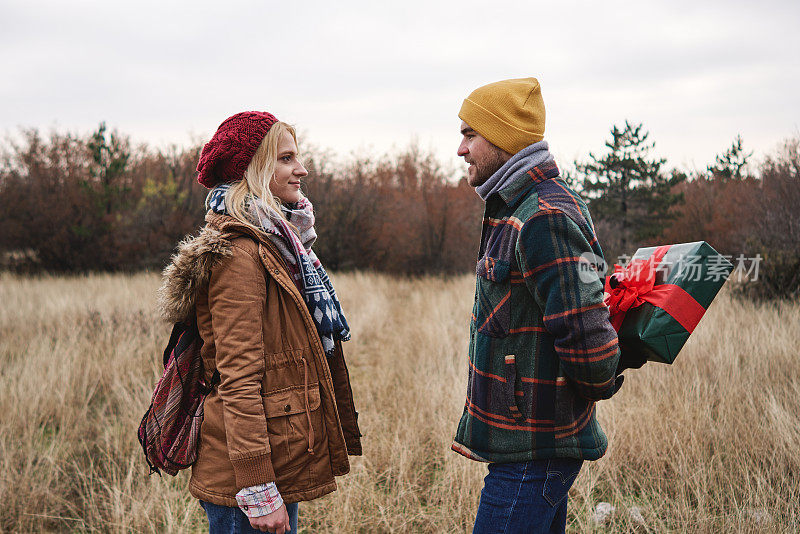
(657, 299)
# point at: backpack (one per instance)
(170, 428)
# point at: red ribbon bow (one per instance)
(635, 284)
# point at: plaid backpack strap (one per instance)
(177, 330)
(214, 382)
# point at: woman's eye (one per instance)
(287, 159)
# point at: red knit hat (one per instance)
(227, 155)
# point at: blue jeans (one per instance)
(231, 520)
(529, 497)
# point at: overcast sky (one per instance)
(356, 76)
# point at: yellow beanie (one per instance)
(509, 114)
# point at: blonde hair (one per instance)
(257, 177)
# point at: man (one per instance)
(542, 350)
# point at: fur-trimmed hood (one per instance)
(190, 267)
(189, 270)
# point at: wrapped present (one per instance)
(659, 297)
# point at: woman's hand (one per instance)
(276, 522)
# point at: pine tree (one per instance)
(628, 187)
(110, 157)
(729, 164)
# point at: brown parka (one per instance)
(283, 411)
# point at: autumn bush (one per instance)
(76, 204)
(95, 203)
(72, 203)
(399, 214)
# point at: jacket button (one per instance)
(287, 408)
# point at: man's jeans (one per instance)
(529, 497)
(231, 520)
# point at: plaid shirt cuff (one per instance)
(259, 500)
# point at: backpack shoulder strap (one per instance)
(177, 330)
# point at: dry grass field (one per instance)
(710, 444)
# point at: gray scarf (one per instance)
(522, 161)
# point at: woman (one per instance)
(281, 422)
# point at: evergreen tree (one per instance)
(628, 187)
(729, 164)
(110, 156)
(107, 195)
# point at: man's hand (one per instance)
(630, 360)
(618, 380)
(277, 522)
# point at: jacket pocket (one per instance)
(493, 296)
(295, 426)
(509, 389)
(290, 401)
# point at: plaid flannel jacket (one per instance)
(542, 350)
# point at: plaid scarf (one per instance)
(305, 268)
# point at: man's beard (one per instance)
(485, 169)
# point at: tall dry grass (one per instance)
(710, 444)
